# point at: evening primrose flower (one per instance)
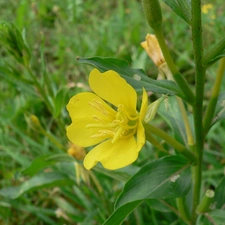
(115, 129)
(153, 49)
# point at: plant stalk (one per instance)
(171, 141)
(182, 83)
(208, 117)
(198, 106)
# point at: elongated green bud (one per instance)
(152, 109)
(153, 12)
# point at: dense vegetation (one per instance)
(40, 183)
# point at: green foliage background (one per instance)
(37, 176)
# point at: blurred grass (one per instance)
(56, 33)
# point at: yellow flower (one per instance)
(153, 49)
(115, 130)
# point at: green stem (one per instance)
(182, 83)
(45, 97)
(170, 140)
(173, 210)
(45, 74)
(54, 140)
(154, 141)
(182, 208)
(40, 89)
(214, 97)
(190, 138)
(198, 106)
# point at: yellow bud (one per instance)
(35, 123)
(151, 46)
(76, 151)
(152, 12)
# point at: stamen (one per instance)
(98, 119)
(123, 110)
(102, 133)
(108, 125)
(99, 106)
(123, 126)
(117, 135)
(132, 132)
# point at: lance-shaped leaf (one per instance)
(214, 53)
(220, 109)
(135, 77)
(45, 161)
(39, 181)
(170, 112)
(220, 195)
(118, 216)
(182, 8)
(14, 42)
(215, 217)
(167, 177)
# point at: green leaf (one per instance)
(45, 161)
(14, 42)
(220, 195)
(42, 213)
(118, 216)
(215, 217)
(60, 101)
(135, 77)
(214, 53)
(159, 204)
(43, 180)
(171, 113)
(122, 174)
(167, 177)
(182, 8)
(220, 109)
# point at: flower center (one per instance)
(122, 126)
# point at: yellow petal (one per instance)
(140, 136)
(114, 89)
(113, 156)
(79, 134)
(144, 105)
(87, 104)
(85, 109)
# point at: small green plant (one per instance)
(178, 174)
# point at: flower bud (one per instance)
(35, 124)
(76, 151)
(151, 46)
(152, 12)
